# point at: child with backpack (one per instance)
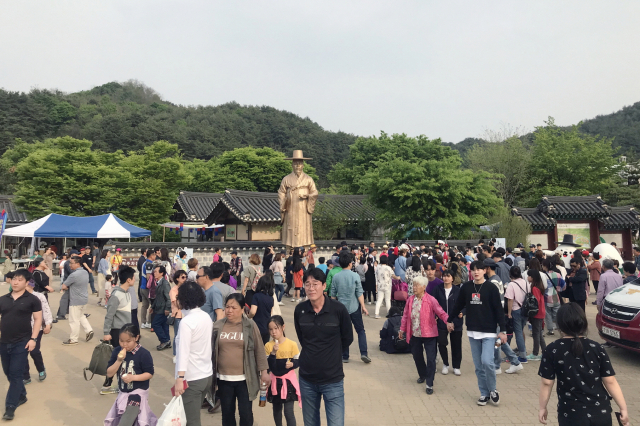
(282, 356)
(133, 365)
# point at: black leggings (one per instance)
(36, 355)
(370, 294)
(288, 412)
(456, 347)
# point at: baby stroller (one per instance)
(399, 294)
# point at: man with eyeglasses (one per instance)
(323, 326)
(213, 304)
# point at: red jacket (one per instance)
(428, 311)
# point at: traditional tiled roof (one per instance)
(13, 215)
(581, 207)
(622, 218)
(264, 207)
(538, 221)
(195, 206)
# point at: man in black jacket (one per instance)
(324, 330)
(484, 314)
(577, 283)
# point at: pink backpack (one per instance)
(399, 290)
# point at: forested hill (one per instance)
(623, 126)
(130, 116)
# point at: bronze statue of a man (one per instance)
(297, 195)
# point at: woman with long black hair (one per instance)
(370, 281)
(586, 379)
(538, 288)
(262, 304)
(267, 259)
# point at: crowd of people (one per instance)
(229, 344)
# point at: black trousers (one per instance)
(456, 347)
(581, 303)
(595, 285)
(115, 341)
(230, 392)
(575, 418)
(36, 356)
(419, 345)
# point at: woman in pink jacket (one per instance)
(421, 330)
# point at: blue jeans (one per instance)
(511, 355)
(482, 351)
(93, 289)
(14, 362)
(519, 323)
(160, 326)
(333, 394)
(356, 319)
(176, 324)
(279, 291)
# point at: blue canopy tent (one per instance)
(60, 226)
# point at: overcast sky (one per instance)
(448, 69)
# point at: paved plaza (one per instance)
(382, 393)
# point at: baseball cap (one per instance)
(532, 245)
(234, 252)
(585, 252)
(404, 247)
(118, 249)
(520, 245)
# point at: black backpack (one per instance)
(529, 305)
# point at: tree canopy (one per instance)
(65, 176)
(246, 169)
(417, 183)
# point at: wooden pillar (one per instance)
(594, 232)
(627, 246)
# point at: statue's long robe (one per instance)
(297, 229)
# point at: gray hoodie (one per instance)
(118, 310)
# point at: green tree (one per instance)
(327, 221)
(426, 189)
(64, 176)
(509, 161)
(506, 225)
(148, 183)
(246, 169)
(366, 154)
(568, 162)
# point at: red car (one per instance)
(618, 321)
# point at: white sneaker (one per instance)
(148, 325)
(456, 371)
(445, 369)
(281, 303)
(377, 317)
(293, 299)
(174, 359)
(299, 300)
(498, 371)
(514, 368)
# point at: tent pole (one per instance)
(163, 231)
(64, 246)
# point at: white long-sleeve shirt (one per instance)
(193, 354)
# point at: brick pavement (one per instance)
(381, 393)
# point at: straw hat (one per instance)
(297, 155)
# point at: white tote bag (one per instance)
(174, 414)
(276, 306)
